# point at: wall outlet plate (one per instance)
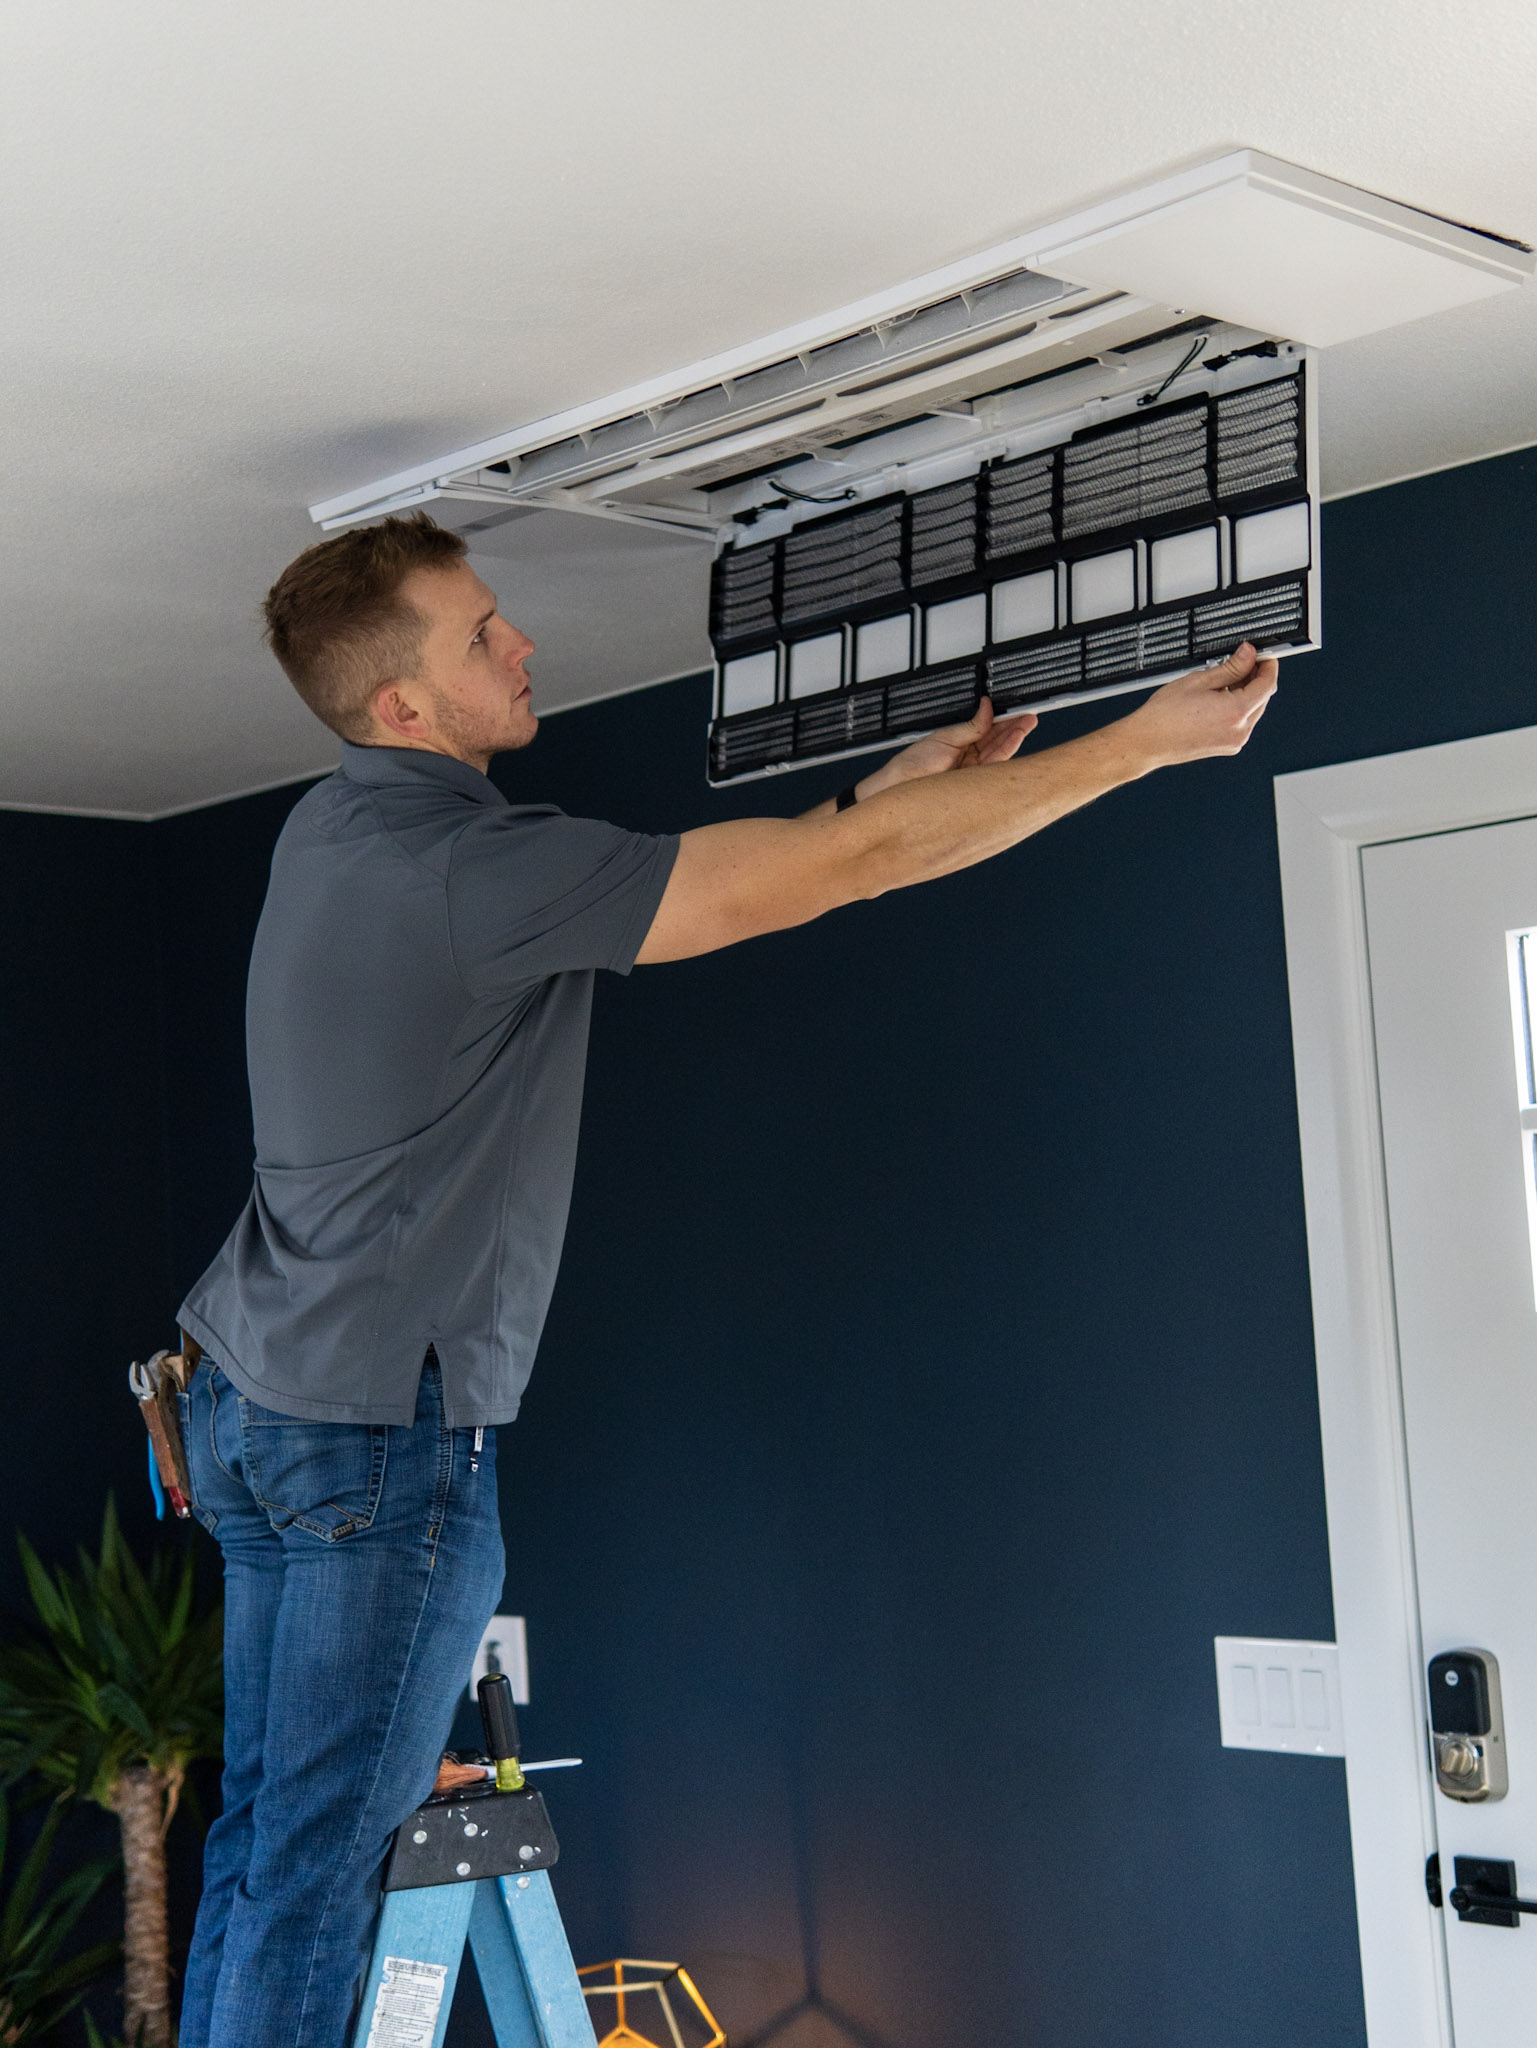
(1282, 1695)
(503, 1647)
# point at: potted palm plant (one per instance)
(109, 1695)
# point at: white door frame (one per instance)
(1325, 817)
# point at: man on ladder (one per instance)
(416, 1033)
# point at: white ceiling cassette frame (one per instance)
(1242, 237)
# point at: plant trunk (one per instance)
(139, 1800)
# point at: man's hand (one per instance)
(1211, 711)
(980, 740)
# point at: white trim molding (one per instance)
(1325, 817)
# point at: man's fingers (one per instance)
(1243, 671)
(1007, 737)
(974, 728)
(1262, 675)
(1236, 667)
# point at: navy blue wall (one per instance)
(82, 1238)
(930, 1373)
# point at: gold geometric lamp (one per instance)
(649, 1992)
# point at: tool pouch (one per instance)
(156, 1386)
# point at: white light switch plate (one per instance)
(503, 1647)
(1279, 1695)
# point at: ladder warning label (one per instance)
(406, 2009)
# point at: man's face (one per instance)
(472, 690)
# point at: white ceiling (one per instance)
(256, 255)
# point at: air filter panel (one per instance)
(1135, 547)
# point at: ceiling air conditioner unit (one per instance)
(1072, 465)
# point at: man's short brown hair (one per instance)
(338, 624)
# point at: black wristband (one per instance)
(847, 798)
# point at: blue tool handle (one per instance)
(155, 1486)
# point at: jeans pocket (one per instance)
(324, 1477)
(199, 1507)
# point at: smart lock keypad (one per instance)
(1467, 1726)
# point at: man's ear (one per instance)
(396, 710)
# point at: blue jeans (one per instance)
(361, 1564)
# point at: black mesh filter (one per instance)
(742, 595)
(1140, 649)
(1019, 506)
(1051, 668)
(755, 739)
(834, 565)
(942, 536)
(1135, 472)
(1276, 611)
(844, 718)
(938, 698)
(1259, 437)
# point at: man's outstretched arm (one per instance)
(756, 875)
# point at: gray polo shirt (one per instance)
(416, 1034)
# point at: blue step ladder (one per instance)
(474, 1867)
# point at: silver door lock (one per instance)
(1467, 1726)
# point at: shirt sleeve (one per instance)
(532, 893)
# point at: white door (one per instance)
(1444, 915)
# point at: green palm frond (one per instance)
(119, 1669)
(94, 2038)
(39, 1981)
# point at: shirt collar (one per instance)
(379, 765)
